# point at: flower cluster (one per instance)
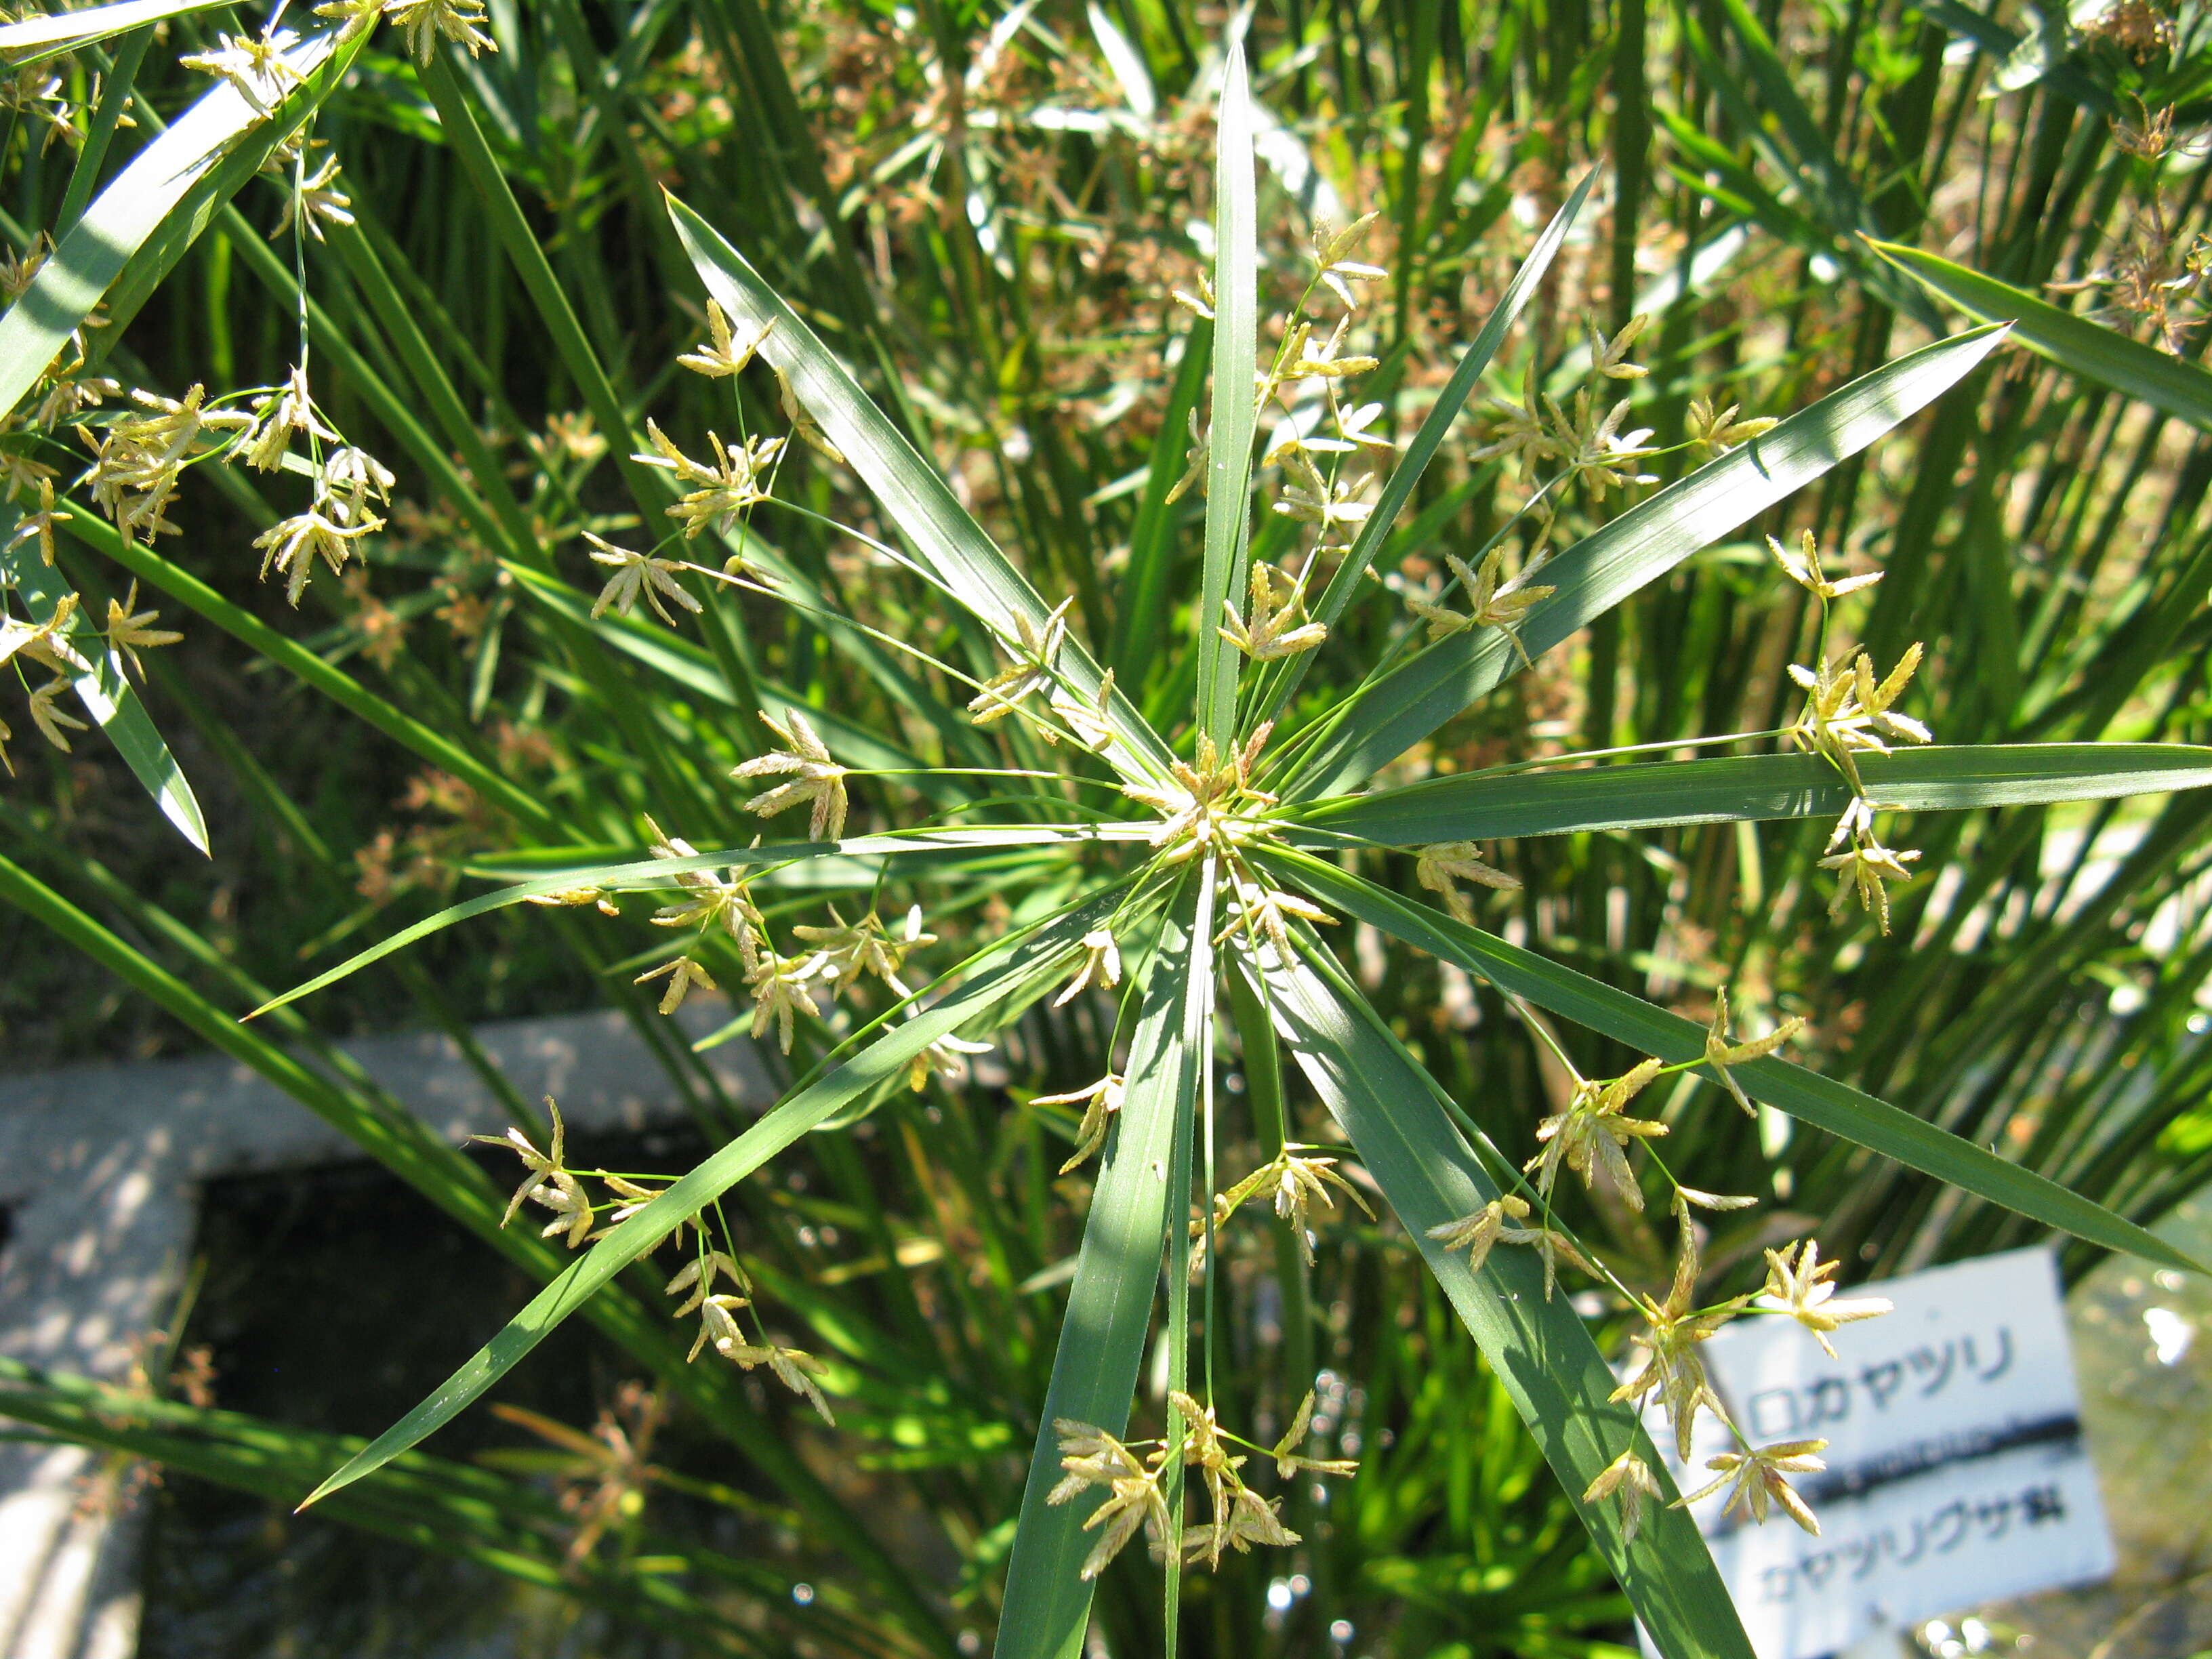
(423, 23)
(1316, 435)
(834, 958)
(1849, 713)
(1672, 1372)
(1588, 446)
(719, 1325)
(1494, 599)
(1293, 1179)
(548, 1181)
(1590, 1135)
(722, 492)
(1135, 1501)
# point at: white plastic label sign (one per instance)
(1956, 1471)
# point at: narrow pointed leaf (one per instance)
(2174, 384)
(1398, 489)
(288, 653)
(649, 873)
(107, 695)
(947, 539)
(1027, 966)
(98, 247)
(1540, 1349)
(1807, 1095)
(69, 30)
(1641, 546)
(1741, 788)
(1233, 415)
(1102, 1339)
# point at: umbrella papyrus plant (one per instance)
(1185, 843)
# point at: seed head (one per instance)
(1722, 1051)
(1102, 966)
(682, 975)
(1799, 1285)
(1441, 867)
(131, 630)
(1627, 1481)
(1476, 1233)
(1100, 1102)
(1719, 431)
(1755, 1477)
(636, 574)
(819, 779)
(1589, 1136)
(726, 355)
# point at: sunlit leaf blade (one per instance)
(1010, 969)
(1398, 488)
(655, 872)
(2180, 388)
(1102, 1339)
(99, 245)
(1741, 788)
(1805, 1095)
(41, 35)
(950, 545)
(1641, 546)
(1233, 415)
(1558, 1380)
(1126, 61)
(106, 694)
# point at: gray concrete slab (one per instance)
(101, 1168)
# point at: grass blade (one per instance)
(116, 90)
(1101, 1341)
(1030, 964)
(1232, 416)
(1807, 1095)
(1538, 1348)
(1641, 546)
(2178, 387)
(296, 660)
(1145, 607)
(950, 545)
(106, 694)
(1398, 487)
(1750, 787)
(98, 247)
(44, 35)
(655, 872)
